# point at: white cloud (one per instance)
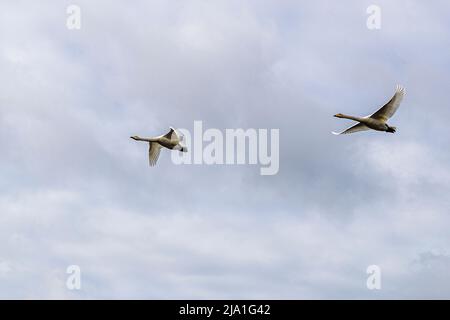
(75, 190)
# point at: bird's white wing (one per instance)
(356, 128)
(153, 153)
(388, 110)
(172, 135)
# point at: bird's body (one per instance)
(170, 140)
(378, 120)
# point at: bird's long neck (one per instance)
(351, 118)
(145, 139)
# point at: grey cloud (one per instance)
(76, 190)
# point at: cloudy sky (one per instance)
(75, 190)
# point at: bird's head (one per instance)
(135, 137)
(339, 115)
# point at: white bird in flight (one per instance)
(170, 140)
(378, 120)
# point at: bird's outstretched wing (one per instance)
(172, 135)
(388, 110)
(356, 128)
(153, 153)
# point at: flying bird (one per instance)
(378, 120)
(170, 140)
